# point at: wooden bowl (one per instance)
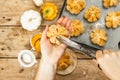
(72, 66)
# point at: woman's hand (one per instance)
(109, 62)
(65, 22)
(50, 52)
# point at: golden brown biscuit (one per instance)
(99, 37)
(75, 6)
(92, 14)
(57, 30)
(77, 27)
(113, 19)
(110, 3)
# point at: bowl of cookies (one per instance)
(67, 63)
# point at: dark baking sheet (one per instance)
(113, 34)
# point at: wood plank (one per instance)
(11, 10)
(13, 40)
(13, 71)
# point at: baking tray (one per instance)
(113, 34)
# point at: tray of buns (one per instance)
(101, 19)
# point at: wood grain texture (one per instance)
(13, 40)
(13, 71)
(11, 10)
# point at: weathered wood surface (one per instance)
(11, 70)
(13, 39)
(11, 10)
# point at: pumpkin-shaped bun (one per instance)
(75, 6)
(113, 19)
(77, 28)
(92, 14)
(110, 3)
(98, 37)
(49, 11)
(57, 30)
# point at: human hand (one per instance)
(109, 62)
(64, 21)
(50, 52)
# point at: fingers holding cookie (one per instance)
(75, 27)
(59, 21)
(54, 31)
(66, 22)
(68, 25)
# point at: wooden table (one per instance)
(13, 39)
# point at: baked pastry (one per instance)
(98, 37)
(77, 28)
(113, 19)
(64, 62)
(75, 6)
(57, 30)
(92, 14)
(49, 11)
(110, 3)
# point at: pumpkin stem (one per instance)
(45, 13)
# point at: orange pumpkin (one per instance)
(49, 11)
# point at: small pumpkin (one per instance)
(49, 11)
(31, 20)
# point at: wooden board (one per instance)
(13, 71)
(13, 39)
(11, 10)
